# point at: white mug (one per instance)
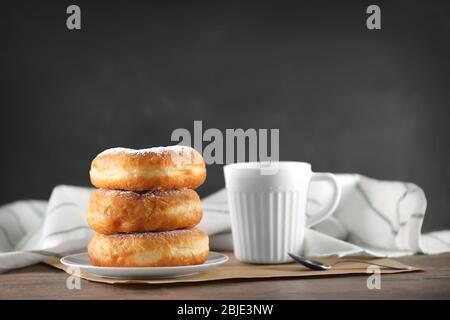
(268, 211)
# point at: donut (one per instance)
(149, 249)
(113, 211)
(165, 168)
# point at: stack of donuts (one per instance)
(145, 209)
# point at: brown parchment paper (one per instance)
(233, 269)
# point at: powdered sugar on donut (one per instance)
(179, 154)
(161, 234)
(147, 193)
(155, 150)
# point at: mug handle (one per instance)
(331, 178)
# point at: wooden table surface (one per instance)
(44, 282)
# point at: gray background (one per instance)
(345, 98)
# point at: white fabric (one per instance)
(379, 218)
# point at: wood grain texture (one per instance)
(44, 282)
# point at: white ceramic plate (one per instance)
(81, 260)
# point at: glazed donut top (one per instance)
(170, 167)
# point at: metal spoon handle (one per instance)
(371, 263)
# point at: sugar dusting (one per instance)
(147, 193)
(179, 155)
(159, 234)
(154, 150)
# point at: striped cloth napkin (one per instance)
(374, 217)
